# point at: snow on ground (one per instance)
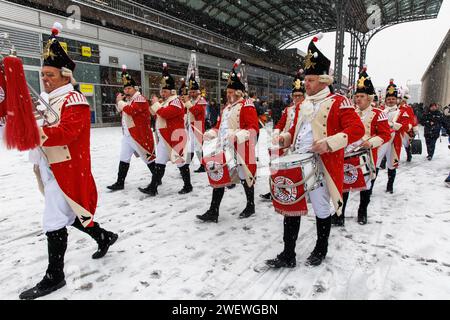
(163, 252)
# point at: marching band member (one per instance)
(172, 137)
(63, 168)
(137, 133)
(377, 132)
(236, 130)
(324, 124)
(413, 124)
(399, 122)
(196, 112)
(287, 116)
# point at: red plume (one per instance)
(236, 63)
(21, 130)
(318, 37)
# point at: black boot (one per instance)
(408, 154)
(391, 179)
(151, 166)
(200, 169)
(383, 163)
(339, 221)
(54, 276)
(121, 175)
(364, 197)
(286, 259)
(212, 214)
(152, 188)
(104, 238)
(186, 175)
(266, 196)
(250, 195)
(320, 250)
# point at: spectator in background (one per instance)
(260, 110)
(446, 112)
(213, 114)
(433, 121)
(277, 109)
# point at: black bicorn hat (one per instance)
(54, 54)
(391, 90)
(167, 81)
(298, 85)
(315, 61)
(234, 80)
(127, 80)
(193, 84)
(183, 91)
(364, 84)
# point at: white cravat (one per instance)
(308, 110)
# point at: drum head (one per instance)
(293, 158)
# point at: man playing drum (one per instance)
(377, 133)
(325, 124)
(298, 95)
(236, 131)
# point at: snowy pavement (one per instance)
(164, 252)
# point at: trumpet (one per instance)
(43, 110)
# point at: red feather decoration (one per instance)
(21, 130)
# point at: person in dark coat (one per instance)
(433, 121)
(277, 109)
(214, 112)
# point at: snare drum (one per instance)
(219, 165)
(359, 169)
(291, 178)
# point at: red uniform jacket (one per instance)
(285, 121)
(170, 123)
(67, 147)
(197, 119)
(377, 129)
(403, 123)
(137, 119)
(337, 123)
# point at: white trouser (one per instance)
(386, 150)
(162, 153)
(194, 146)
(57, 212)
(320, 200)
(406, 141)
(128, 148)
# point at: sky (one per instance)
(402, 52)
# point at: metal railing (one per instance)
(163, 21)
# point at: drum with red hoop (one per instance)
(359, 169)
(219, 164)
(292, 177)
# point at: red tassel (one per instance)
(2, 94)
(21, 130)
